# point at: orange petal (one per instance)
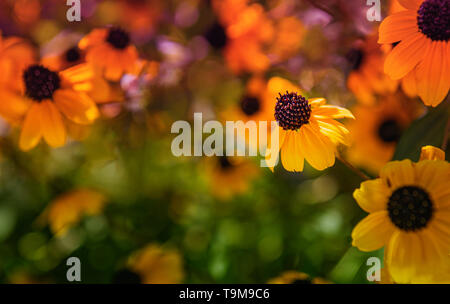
(398, 27)
(53, 128)
(76, 106)
(409, 84)
(31, 129)
(405, 56)
(411, 4)
(433, 76)
(431, 153)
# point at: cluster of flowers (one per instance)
(408, 204)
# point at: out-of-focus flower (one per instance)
(229, 176)
(367, 78)
(15, 55)
(153, 265)
(421, 55)
(68, 209)
(295, 277)
(409, 213)
(289, 32)
(377, 129)
(248, 29)
(308, 131)
(110, 50)
(45, 96)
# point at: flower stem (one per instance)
(351, 167)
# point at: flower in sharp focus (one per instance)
(111, 50)
(152, 265)
(295, 277)
(409, 214)
(47, 95)
(68, 209)
(421, 56)
(378, 128)
(308, 131)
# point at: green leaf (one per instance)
(427, 130)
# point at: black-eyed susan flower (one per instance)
(421, 34)
(377, 129)
(68, 209)
(296, 277)
(409, 214)
(111, 50)
(152, 264)
(366, 78)
(48, 97)
(307, 131)
(229, 175)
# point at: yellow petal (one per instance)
(372, 195)
(291, 156)
(53, 128)
(76, 106)
(398, 173)
(317, 149)
(31, 131)
(431, 153)
(373, 232)
(328, 111)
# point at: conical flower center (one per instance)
(292, 111)
(433, 19)
(389, 131)
(40, 82)
(250, 105)
(73, 54)
(410, 208)
(118, 38)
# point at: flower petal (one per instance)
(431, 153)
(291, 156)
(53, 128)
(411, 4)
(31, 130)
(398, 173)
(329, 111)
(76, 106)
(372, 195)
(317, 149)
(373, 232)
(405, 56)
(397, 27)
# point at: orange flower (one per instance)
(47, 95)
(367, 78)
(378, 128)
(110, 49)
(421, 56)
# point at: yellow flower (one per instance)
(110, 50)
(377, 129)
(308, 131)
(295, 277)
(157, 265)
(229, 176)
(421, 56)
(68, 209)
(409, 214)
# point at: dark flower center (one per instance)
(118, 38)
(216, 36)
(225, 163)
(40, 82)
(410, 208)
(355, 58)
(433, 19)
(126, 276)
(73, 54)
(389, 131)
(292, 111)
(250, 105)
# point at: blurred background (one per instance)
(117, 198)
